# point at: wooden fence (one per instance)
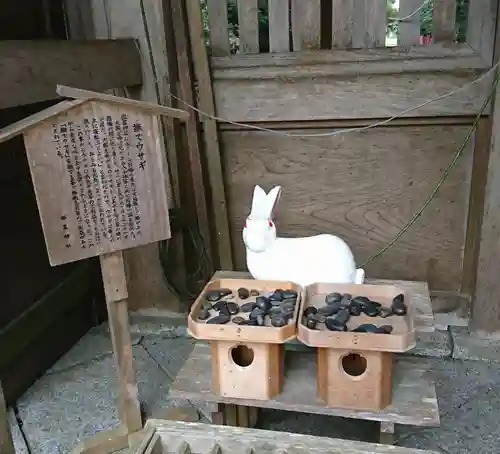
(328, 68)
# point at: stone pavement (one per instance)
(76, 397)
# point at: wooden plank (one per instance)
(486, 303)
(479, 170)
(417, 293)
(306, 24)
(25, 124)
(239, 440)
(115, 289)
(145, 22)
(219, 27)
(130, 206)
(32, 69)
(279, 26)
(326, 190)
(409, 32)
(194, 161)
(413, 401)
(248, 17)
(481, 27)
(443, 21)
(151, 108)
(320, 97)
(212, 150)
(370, 18)
(6, 443)
(342, 24)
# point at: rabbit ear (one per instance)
(272, 200)
(258, 202)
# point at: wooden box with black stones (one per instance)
(246, 322)
(356, 329)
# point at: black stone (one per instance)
(260, 319)
(341, 317)
(398, 306)
(275, 303)
(384, 312)
(311, 323)
(254, 292)
(219, 320)
(399, 298)
(347, 296)
(355, 308)
(255, 313)
(371, 310)
(329, 310)
(375, 303)
(363, 300)
(310, 310)
(233, 308)
(224, 309)
(365, 328)
(332, 325)
(213, 295)
(287, 310)
(225, 292)
(278, 321)
(289, 301)
(219, 305)
(274, 310)
(203, 315)
(239, 321)
(277, 295)
(320, 318)
(263, 303)
(247, 307)
(243, 293)
(287, 294)
(385, 329)
(252, 322)
(333, 298)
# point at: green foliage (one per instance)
(461, 21)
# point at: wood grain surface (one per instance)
(363, 187)
(204, 439)
(413, 397)
(99, 181)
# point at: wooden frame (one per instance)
(160, 437)
(32, 69)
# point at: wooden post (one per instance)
(486, 301)
(115, 289)
(6, 443)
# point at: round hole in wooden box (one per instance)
(242, 355)
(354, 364)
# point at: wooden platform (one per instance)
(414, 399)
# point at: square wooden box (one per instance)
(247, 361)
(354, 370)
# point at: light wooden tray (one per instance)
(232, 332)
(401, 339)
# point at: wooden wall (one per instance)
(327, 68)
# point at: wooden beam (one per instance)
(212, 146)
(31, 70)
(153, 108)
(486, 301)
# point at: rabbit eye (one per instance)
(245, 225)
(270, 223)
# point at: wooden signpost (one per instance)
(99, 180)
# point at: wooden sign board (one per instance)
(99, 180)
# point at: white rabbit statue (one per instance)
(319, 258)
